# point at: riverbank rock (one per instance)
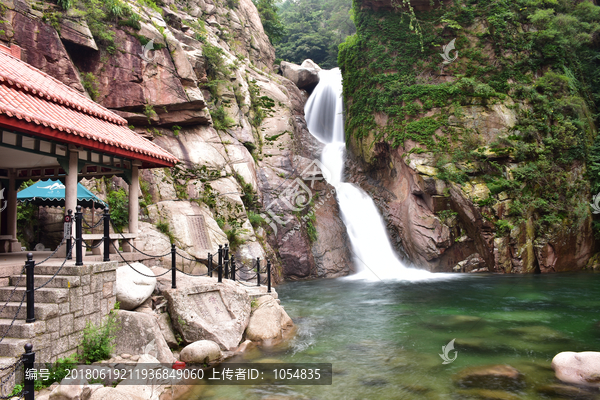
(578, 368)
(164, 323)
(492, 377)
(140, 334)
(210, 311)
(132, 287)
(304, 78)
(268, 320)
(201, 352)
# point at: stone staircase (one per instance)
(62, 307)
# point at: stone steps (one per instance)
(21, 329)
(59, 281)
(12, 347)
(44, 295)
(43, 311)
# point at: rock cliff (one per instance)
(196, 78)
(475, 133)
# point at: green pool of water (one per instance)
(383, 338)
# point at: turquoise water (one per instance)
(383, 338)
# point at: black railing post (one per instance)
(29, 383)
(268, 276)
(226, 261)
(78, 237)
(257, 271)
(210, 269)
(220, 265)
(69, 243)
(29, 266)
(173, 266)
(106, 237)
(232, 271)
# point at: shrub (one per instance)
(118, 201)
(90, 84)
(98, 341)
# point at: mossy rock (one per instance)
(493, 377)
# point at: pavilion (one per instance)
(51, 131)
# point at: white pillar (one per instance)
(71, 182)
(11, 209)
(134, 202)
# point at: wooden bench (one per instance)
(96, 238)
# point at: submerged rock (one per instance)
(486, 394)
(565, 391)
(495, 377)
(578, 368)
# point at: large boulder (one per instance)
(200, 352)
(210, 311)
(578, 368)
(268, 320)
(304, 78)
(134, 288)
(140, 334)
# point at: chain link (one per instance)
(88, 224)
(131, 266)
(51, 255)
(6, 380)
(61, 267)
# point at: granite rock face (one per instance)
(163, 79)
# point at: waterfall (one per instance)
(373, 253)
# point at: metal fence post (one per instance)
(210, 265)
(268, 276)
(232, 271)
(226, 261)
(173, 266)
(257, 271)
(29, 266)
(29, 383)
(220, 265)
(106, 237)
(78, 237)
(69, 243)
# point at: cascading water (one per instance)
(373, 253)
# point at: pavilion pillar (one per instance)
(11, 211)
(70, 196)
(134, 201)
(71, 182)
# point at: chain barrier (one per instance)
(69, 252)
(14, 318)
(131, 266)
(95, 246)
(53, 253)
(8, 378)
(87, 224)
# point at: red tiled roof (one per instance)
(31, 96)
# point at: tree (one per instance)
(270, 19)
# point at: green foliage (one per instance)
(261, 107)
(151, 4)
(58, 370)
(90, 84)
(176, 129)
(118, 201)
(65, 4)
(271, 22)
(255, 219)
(215, 62)
(221, 120)
(249, 197)
(314, 29)
(550, 72)
(503, 227)
(164, 228)
(27, 220)
(98, 341)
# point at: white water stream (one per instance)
(374, 256)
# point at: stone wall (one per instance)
(89, 296)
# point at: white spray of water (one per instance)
(374, 255)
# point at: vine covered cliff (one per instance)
(486, 155)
